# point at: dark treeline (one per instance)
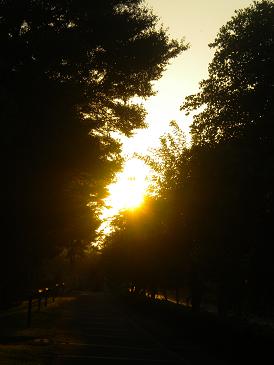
(209, 232)
(68, 69)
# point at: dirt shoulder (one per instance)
(20, 344)
(204, 337)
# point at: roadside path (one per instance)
(88, 328)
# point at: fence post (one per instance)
(40, 291)
(29, 311)
(46, 296)
(56, 290)
(53, 294)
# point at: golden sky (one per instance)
(198, 21)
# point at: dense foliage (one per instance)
(68, 69)
(237, 97)
(209, 231)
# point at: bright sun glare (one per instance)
(127, 193)
(180, 79)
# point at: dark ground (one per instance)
(99, 328)
(205, 338)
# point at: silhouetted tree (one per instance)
(211, 221)
(237, 97)
(68, 70)
(234, 129)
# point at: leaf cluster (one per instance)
(215, 220)
(68, 69)
(236, 97)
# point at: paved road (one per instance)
(94, 329)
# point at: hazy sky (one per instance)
(198, 21)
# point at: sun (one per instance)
(126, 193)
(130, 187)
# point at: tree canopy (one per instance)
(68, 71)
(211, 223)
(237, 97)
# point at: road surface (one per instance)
(86, 328)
